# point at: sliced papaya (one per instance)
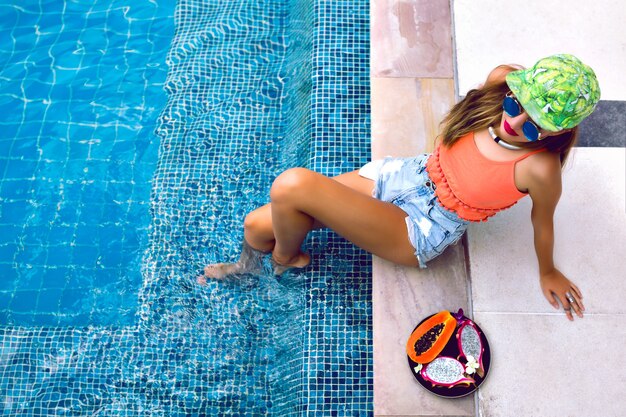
(430, 337)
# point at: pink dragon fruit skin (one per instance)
(469, 343)
(446, 372)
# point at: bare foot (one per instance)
(219, 271)
(249, 263)
(283, 265)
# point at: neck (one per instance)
(497, 139)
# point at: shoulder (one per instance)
(543, 173)
(545, 165)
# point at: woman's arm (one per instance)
(545, 191)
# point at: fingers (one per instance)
(579, 301)
(571, 301)
(568, 313)
(577, 291)
(576, 308)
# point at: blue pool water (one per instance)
(81, 89)
(136, 138)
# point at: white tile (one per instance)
(543, 365)
(590, 242)
(493, 32)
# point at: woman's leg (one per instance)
(303, 200)
(258, 229)
(259, 233)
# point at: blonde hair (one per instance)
(482, 108)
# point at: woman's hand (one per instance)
(556, 286)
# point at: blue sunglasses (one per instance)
(513, 108)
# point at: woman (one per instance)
(503, 141)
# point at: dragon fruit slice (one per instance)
(446, 372)
(468, 338)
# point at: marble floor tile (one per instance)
(590, 242)
(401, 298)
(406, 113)
(543, 365)
(411, 38)
(492, 32)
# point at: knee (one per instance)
(290, 184)
(253, 222)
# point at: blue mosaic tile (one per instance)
(252, 88)
(338, 369)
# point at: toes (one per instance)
(210, 269)
(219, 271)
(214, 271)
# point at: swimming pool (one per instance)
(79, 99)
(136, 138)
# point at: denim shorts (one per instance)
(405, 183)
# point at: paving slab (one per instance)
(590, 242)
(404, 117)
(411, 38)
(543, 365)
(406, 113)
(402, 297)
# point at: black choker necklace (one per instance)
(502, 143)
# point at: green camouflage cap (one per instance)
(558, 92)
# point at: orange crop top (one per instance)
(472, 185)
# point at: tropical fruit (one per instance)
(468, 339)
(446, 372)
(429, 338)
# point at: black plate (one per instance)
(452, 350)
